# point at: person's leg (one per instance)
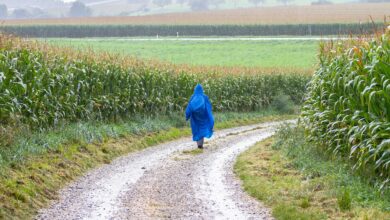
(200, 143)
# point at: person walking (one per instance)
(199, 110)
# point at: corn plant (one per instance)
(41, 87)
(347, 108)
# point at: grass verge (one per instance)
(38, 164)
(297, 181)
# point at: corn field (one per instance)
(347, 108)
(77, 31)
(42, 90)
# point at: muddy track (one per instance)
(166, 182)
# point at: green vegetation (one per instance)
(42, 90)
(268, 54)
(38, 164)
(63, 112)
(342, 170)
(283, 103)
(347, 106)
(344, 200)
(297, 180)
(77, 31)
(27, 143)
(193, 152)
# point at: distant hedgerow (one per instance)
(77, 31)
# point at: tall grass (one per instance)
(347, 108)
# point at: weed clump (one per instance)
(283, 103)
(344, 200)
(305, 203)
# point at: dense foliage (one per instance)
(347, 109)
(185, 30)
(42, 91)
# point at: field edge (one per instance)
(297, 183)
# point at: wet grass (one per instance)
(39, 164)
(297, 181)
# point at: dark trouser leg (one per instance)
(200, 143)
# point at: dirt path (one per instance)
(165, 182)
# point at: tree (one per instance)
(21, 13)
(39, 13)
(182, 2)
(3, 11)
(216, 3)
(79, 9)
(236, 3)
(321, 2)
(375, 1)
(199, 5)
(257, 2)
(285, 2)
(162, 3)
(138, 1)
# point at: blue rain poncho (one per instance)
(200, 112)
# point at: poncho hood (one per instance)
(198, 90)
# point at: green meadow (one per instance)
(230, 53)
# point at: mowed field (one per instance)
(337, 13)
(299, 54)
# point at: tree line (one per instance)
(78, 9)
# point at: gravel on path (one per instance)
(165, 181)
